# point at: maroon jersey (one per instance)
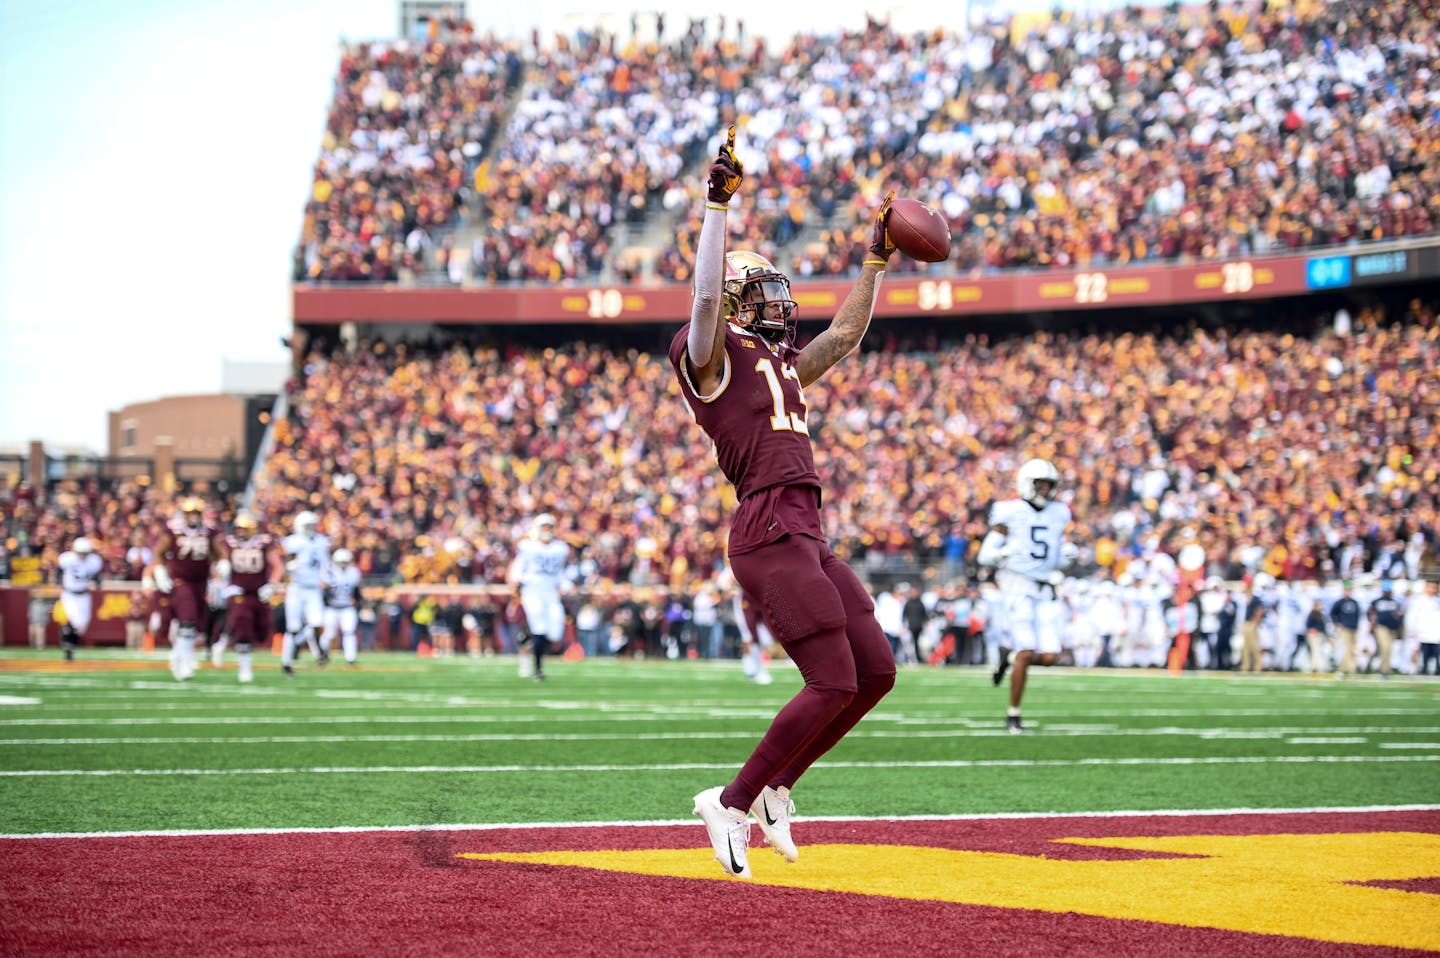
(250, 561)
(756, 419)
(193, 550)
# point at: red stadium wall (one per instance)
(114, 607)
(901, 295)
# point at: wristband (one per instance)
(875, 262)
(717, 206)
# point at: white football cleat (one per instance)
(773, 810)
(729, 832)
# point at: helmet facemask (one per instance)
(757, 297)
(1038, 482)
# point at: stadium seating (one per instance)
(408, 126)
(428, 462)
(1187, 133)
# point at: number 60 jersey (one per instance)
(1033, 537)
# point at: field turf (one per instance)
(457, 747)
(401, 741)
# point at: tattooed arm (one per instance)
(845, 331)
(849, 325)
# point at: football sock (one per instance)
(1013, 711)
(287, 649)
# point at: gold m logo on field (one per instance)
(1304, 886)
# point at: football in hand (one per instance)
(918, 231)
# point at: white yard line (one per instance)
(536, 826)
(697, 766)
(1294, 736)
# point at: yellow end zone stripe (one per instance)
(1294, 885)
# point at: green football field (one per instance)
(114, 744)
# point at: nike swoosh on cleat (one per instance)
(766, 805)
(735, 867)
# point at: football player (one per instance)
(79, 580)
(255, 567)
(1026, 546)
(743, 378)
(342, 588)
(183, 558)
(538, 571)
(307, 560)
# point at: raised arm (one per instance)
(704, 345)
(845, 331)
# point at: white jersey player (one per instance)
(79, 578)
(307, 562)
(342, 589)
(1027, 548)
(539, 570)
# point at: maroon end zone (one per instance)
(327, 893)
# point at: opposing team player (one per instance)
(1026, 545)
(538, 571)
(80, 571)
(307, 560)
(743, 379)
(183, 558)
(255, 567)
(342, 588)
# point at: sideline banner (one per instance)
(116, 604)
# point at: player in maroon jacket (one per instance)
(255, 567)
(183, 556)
(743, 377)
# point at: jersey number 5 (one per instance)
(1042, 547)
(782, 421)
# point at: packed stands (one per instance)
(1309, 452)
(602, 131)
(1189, 132)
(408, 126)
(1316, 448)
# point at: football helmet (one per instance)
(83, 546)
(192, 505)
(544, 526)
(307, 523)
(245, 522)
(757, 296)
(1037, 470)
(342, 557)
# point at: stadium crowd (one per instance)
(1188, 132)
(1301, 456)
(408, 125)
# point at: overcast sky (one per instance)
(156, 156)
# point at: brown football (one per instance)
(919, 231)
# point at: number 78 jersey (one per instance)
(1033, 536)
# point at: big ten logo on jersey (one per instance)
(784, 419)
(190, 546)
(247, 560)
